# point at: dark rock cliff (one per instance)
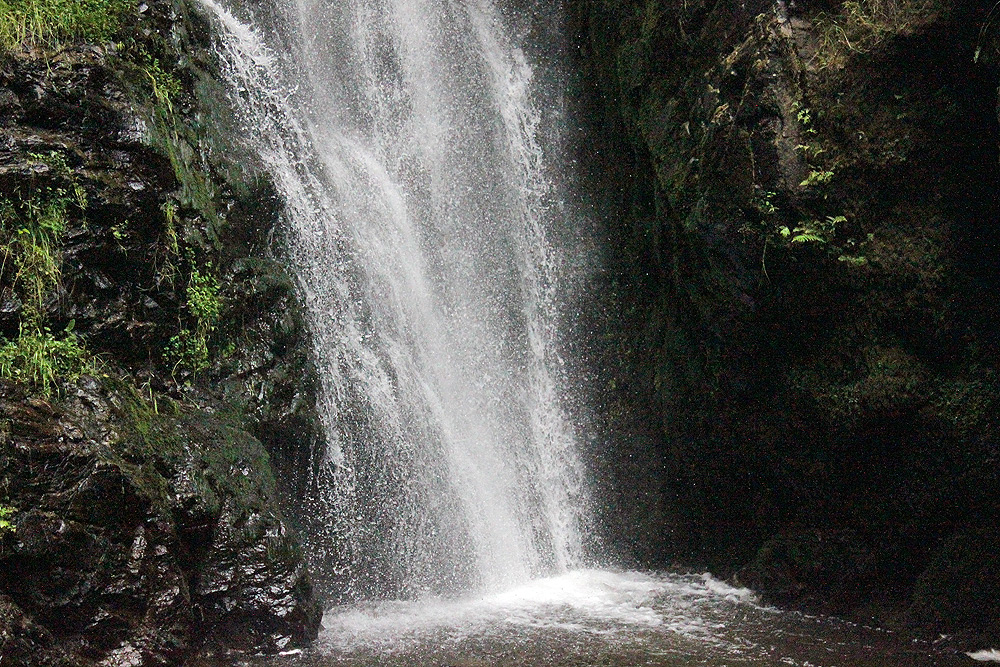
(157, 373)
(800, 204)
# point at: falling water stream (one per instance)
(417, 149)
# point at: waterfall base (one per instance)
(592, 617)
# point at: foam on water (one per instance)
(986, 655)
(596, 602)
(611, 618)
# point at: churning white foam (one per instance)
(988, 655)
(584, 601)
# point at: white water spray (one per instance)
(419, 196)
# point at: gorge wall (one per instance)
(796, 323)
(799, 203)
(153, 354)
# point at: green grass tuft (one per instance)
(39, 359)
(51, 23)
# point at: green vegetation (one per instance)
(813, 231)
(166, 87)
(861, 26)
(51, 23)
(31, 231)
(189, 348)
(38, 358)
(6, 526)
(817, 178)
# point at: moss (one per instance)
(160, 439)
(803, 248)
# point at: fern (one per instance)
(808, 237)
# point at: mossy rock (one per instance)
(828, 568)
(144, 534)
(960, 590)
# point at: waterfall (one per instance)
(405, 137)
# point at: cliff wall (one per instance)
(154, 369)
(799, 205)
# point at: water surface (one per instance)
(611, 619)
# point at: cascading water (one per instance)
(419, 200)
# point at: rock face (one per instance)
(140, 537)
(147, 525)
(799, 201)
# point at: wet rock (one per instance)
(827, 569)
(796, 200)
(143, 538)
(148, 546)
(960, 589)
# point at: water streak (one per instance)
(419, 194)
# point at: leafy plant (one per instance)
(817, 178)
(764, 203)
(166, 87)
(189, 348)
(203, 299)
(813, 231)
(813, 149)
(6, 525)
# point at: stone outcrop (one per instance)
(140, 537)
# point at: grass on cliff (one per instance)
(32, 226)
(41, 360)
(861, 26)
(50, 23)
